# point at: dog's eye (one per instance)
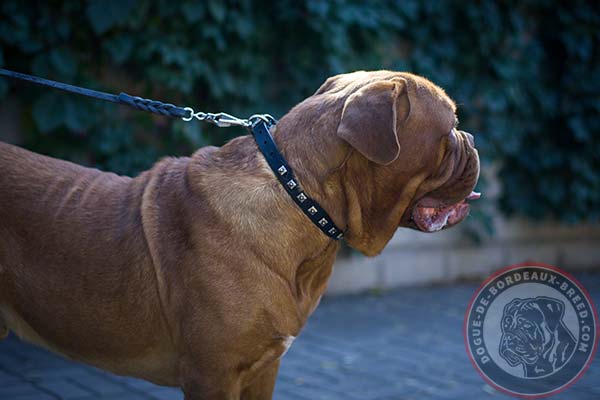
(524, 323)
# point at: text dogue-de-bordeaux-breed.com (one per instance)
(200, 272)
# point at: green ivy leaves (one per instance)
(105, 14)
(526, 76)
(53, 110)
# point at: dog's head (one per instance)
(533, 333)
(405, 161)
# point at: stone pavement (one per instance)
(403, 344)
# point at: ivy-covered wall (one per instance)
(525, 73)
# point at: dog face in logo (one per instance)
(534, 335)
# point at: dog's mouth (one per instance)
(432, 215)
(511, 357)
(514, 349)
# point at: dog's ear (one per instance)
(552, 310)
(373, 117)
(328, 84)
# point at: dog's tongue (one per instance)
(432, 219)
(473, 196)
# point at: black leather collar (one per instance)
(285, 175)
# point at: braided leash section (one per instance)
(153, 106)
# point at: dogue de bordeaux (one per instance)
(201, 271)
(535, 336)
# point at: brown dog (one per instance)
(200, 272)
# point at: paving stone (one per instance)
(9, 361)
(288, 394)
(63, 389)
(73, 371)
(166, 394)
(138, 384)
(101, 385)
(36, 396)
(13, 391)
(122, 396)
(7, 379)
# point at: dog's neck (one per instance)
(262, 218)
(541, 368)
(242, 176)
(318, 163)
(342, 180)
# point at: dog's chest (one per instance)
(287, 343)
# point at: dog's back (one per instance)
(49, 208)
(57, 220)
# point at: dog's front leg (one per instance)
(199, 391)
(208, 388)
(262, 387)
(201, 379)
(204, 380)
(3, 329)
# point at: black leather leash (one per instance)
(258, 125)
(139, 103)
